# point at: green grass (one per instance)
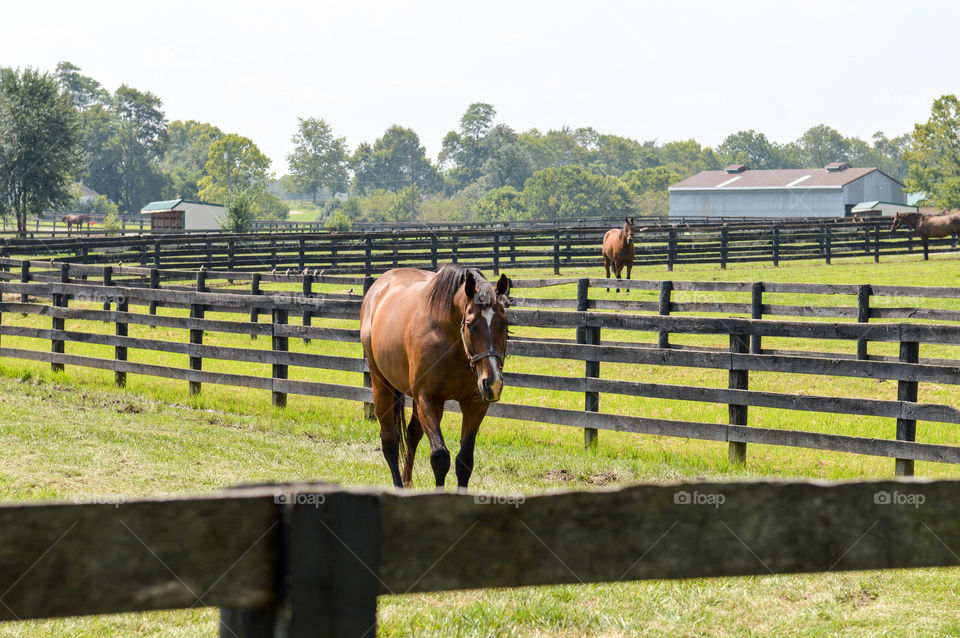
(310, 210)
(71, 435)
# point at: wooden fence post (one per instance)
(24, 278)
(876, 243)
(556, 253)
(301, 255)
(368, 410)
(196, 336)
(776, 246)
(254, 312)
(396, 250)
(307, 294)
(367, 248)
(433, 251)
(756, 312)
(739, 380)
(663, 308)
(863, 316)
(827, 243)
(496, 254)
(107, 281)
(907, 391)
(671, 249)
(156, 255)
(279, 344)
(231, 255)
(60, 301)
(454, 247)
(588, 335)
(120, 352)
(724, 247)
(513, 248)
(154, 285)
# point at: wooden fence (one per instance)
(309, 560)
(584, 321)
(490, 249)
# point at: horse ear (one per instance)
(470, 285)
(503, 285)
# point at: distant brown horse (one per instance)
(435, 337)
(618, 249)
(928, 226)
(73, 218)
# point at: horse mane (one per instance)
(444, 287)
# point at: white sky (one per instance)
(644, 70)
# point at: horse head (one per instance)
(898, 221)
(484, 331)
(626, 233)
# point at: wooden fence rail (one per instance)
(495, 249)
(310, 560)
(75, 308)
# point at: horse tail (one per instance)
(403, 432)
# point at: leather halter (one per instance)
(474, 358)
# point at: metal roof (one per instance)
(775, 179)
(171, 204)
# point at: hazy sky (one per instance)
(650, 71)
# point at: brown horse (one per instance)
(618, 249)
(435, 337)
(928, 226)
(74, 218)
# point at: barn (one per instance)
(738, 191)
(183, 214)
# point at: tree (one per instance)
(240, 213)
(185, 158)
(140, 139)
(319, 159)
(507, 162)
(84, 92)
(934, 159)
(234, 164)
(463, 153)
(820, 145)
(501, 204)
(39, 144)
(650, 180)
(751, 148)
(101, 151)
(574, 192)
(395, 161)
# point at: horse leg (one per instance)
(629, 270)
(414, 434)
(926, 247)
(431, 411)
(606, 264)
(618, 268)
(384, 405)
(473, 413)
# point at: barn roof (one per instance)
(171, 204)
(775, 179)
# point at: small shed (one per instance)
(885, 209)
(183, 214)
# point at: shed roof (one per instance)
(776, 179)
(171, 204)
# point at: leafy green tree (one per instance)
(501, 204)
(319, 159)
(574, 192)
(234, 164)
(269, 206)
(688, 158)
(751, 148)
(507, 162)
(101, 151)
(616, 155)
(406, 205)
(934, 159)
(185, 158)
(39, 144)
(651, 180)
(240, 213)
(338, 222)
(395, 161)
(84, 92)
(890, 154)
(463, 153)
(820, 145)
(141, 139)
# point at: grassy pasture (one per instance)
(72, 436)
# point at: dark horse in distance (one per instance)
(434, 337)
(78, 219)
(618, 249)
(928, 226)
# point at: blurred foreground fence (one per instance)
(294, 561)
(112, 326)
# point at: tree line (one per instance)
(63, 127)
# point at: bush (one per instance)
(338, 222)
(239, 214)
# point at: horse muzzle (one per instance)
(490, 388)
